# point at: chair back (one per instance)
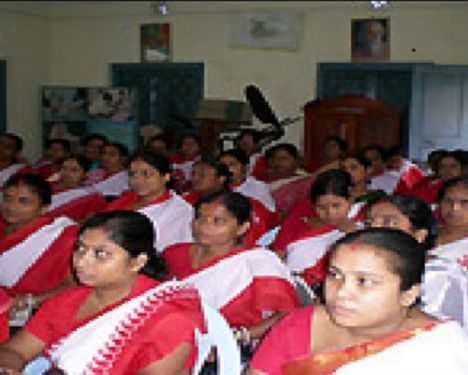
(219, 336)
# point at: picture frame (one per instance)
(370, 39)
(155, 45)
(265, 29)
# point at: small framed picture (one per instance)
(155, 42)
(370, 39)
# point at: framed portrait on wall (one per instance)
(370, 39)
(155, 42)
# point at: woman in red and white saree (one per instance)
(289, 184)
(211, 176)
(71, 197)
(452, 241)
(171, 216)
(334, 215)
(121, 320)
(368, 323)
(249, 286)
(35, 249)
(237, 162)
(111, 179)
(10, 148)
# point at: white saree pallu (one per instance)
(306, 251)
(95, 347)
(6, 173)
(64, 197)
(113, 185)
(387, 181)
(221, 283)
(253, 188)
(442, 350)
(456, 251)
(15, 262)
(445, 290)
(171, 221)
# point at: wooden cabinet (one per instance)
(357, 119)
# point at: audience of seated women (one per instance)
(444, 290)
(120, 318)
(250, 286)
(10, 150)
(71, 197)
(149, 174)
(112, 178)
(369, 322)
(35, 249)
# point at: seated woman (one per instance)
(10, 149)
(450, 165)
(35, 249)
(250, 286)
(358, 166)
(445, 282)
(369, 323)
(334, 148)
(72, 198)
(452, 241)
(211, 176)
(189, 151)
(248, 141)
(304, 242)
(289, 184)
(111, 179)
(149, 174)
(57, 150)
(121, 320)
(237, 161)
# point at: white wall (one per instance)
(86, 37)
(24, 44)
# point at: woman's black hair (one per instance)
(157, 160)
(460, 180)
(238, 154)
(342, 144)
(418, 213)
(64, 143)
(220, 168)
(121, 148)
(133, 232)
(82, 161)
(16, 139)
(92, 137)
(36, 183)
(359, 157)
(454, 155)
(193, 136)
(407, 255)
(287, 147)
(333, 181)
(237, 205)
